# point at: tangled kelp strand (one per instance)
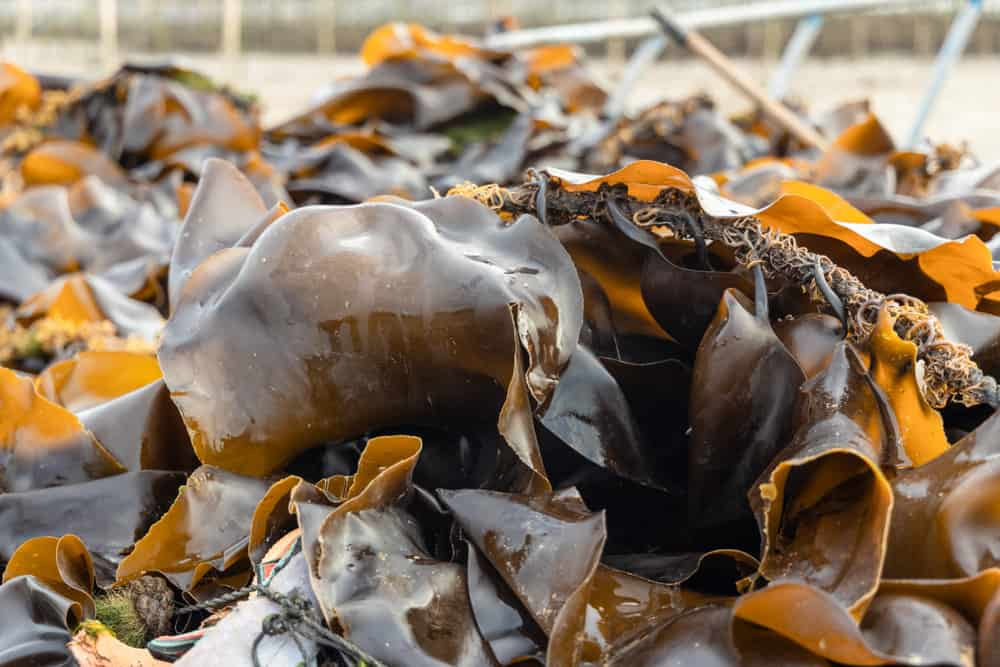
(632, 419)
(949, 371)
(55, 337)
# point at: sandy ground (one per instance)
(966, 110)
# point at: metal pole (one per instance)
(232, 13)
(652, 47)
(145, 20)
(798, 47)
(645, 54)
(951, 50)
(108, 20)
(724, 67)
(616, 46)
(22, 30)
(598, 31)
(326, 26)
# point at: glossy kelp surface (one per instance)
(519, 423)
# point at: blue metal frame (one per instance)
(798, 47)
(951, 51)
(644, 55)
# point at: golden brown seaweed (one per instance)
(413, 330)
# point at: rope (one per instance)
(295, 619)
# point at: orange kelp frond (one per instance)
(949, 371)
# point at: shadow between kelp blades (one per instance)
(654, 196)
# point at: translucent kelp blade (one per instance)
(418, 329)
(204, 531)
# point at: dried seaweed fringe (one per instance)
(52, 337)
(29, 125)
(949, 373)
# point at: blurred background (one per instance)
(286, 50)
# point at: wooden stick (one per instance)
(725, 68)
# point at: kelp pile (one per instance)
(394, 383)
